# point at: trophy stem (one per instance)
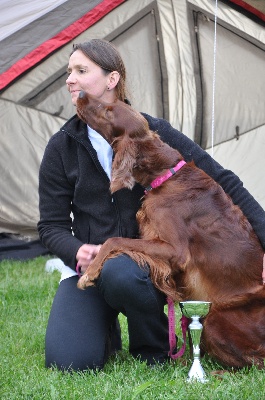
(196, 371)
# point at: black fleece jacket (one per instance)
(76, 206)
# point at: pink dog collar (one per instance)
(160, 179)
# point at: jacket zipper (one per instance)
(102, 172)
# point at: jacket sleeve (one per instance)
(230, 182)
(55, 195)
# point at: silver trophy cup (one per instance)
(195, 310)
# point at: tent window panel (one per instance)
(139, 48)
(57, 102)
(240, 83)
(51, 96)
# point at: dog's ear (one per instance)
(123, 163)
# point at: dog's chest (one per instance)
(147, 221)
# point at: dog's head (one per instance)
(122, 127)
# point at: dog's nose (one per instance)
(81, 94)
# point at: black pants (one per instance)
(83, 330)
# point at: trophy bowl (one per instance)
(195, 310)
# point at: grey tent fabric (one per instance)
(44, 27)
(240, 82)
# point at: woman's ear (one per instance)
(113, 79)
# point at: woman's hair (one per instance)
(106, 56)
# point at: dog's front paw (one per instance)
(84, 282)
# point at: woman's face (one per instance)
(89, 77)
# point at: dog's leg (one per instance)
(142, 251)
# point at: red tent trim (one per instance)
(58, 40)
(249, 8)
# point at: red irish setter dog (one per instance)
(198, 244)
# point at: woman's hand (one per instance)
(86, 254)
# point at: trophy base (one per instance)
(196, 372)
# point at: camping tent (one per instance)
(199, 65)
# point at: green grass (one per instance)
(26, 294)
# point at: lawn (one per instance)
(26, 294)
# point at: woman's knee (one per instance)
(124, 284)
(78, 335)
(68, 351)
(122, 273)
